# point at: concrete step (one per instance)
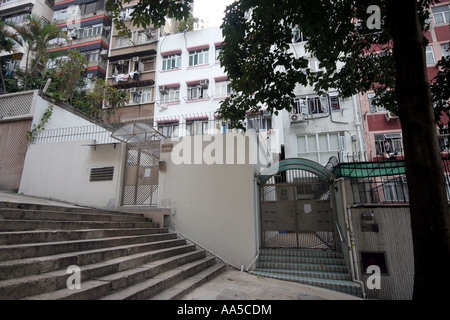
(22, 237)
(120, 255)
(151, 287)
(348, 287)
(313, 273)
(301, 253)
(321, 268)
(38, 265)
(24, 225)
(61, 208)
(299, 260)
(302, 266)
(95, 286)
(56, 279)
(30, 250)
(16, 214)
(186, 286)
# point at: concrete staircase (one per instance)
(325, 269)
(121, 255)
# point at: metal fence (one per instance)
(98, 134)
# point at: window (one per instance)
(429, 55)
(313, 105)
(171, 62)
(125, 14)
(372, 106)
(196, 92)
(198, 57)
(145, 36)
(314, 65)
(396, 189)
(122, 42)
(392, 141)
(445, 47)
(334, 103)
(171, 95)
(223, 89)
(320, 147)
(147, 64)
(317, 105)
(217, 53)
(196, 127)
(169, 129)
(441, 14)
(374, 259)
(142, 95)
(260, 124)
(121, 68)
(297, 35)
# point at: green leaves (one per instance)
(265, 66)
(148, 13)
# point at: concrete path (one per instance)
(237, 285)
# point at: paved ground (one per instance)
(237, 285)
(232, 284)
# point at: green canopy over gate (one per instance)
(300, 164)
(370, 169)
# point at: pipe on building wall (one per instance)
(358, 122)
(350, 239)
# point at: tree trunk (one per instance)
(430, 217)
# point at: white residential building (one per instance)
(191, 83)
(321, 126)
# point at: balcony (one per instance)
(125, 81)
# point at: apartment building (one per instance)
(320, 126)
(382, 128)
(131, 67)
(15, 12)
(88, 26)
(190, 83)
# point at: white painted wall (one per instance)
(215, 205)
(61, 171)
(60, 118)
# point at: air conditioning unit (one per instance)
(204, 83)
(297, 118)
(89, 75)
(64, 29)
(162, 89)
(133, 90)
(107, 28)
(121, 62)
(135, 59)
(163, 107)
(104, 53)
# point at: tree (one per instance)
(35, 36)
(389, 59)
(69, 76)
(149, 13)
(104, 98)
(7, 41)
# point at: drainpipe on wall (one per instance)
(350, 239)
(257, 233)
(358, 122)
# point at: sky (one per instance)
(210, 11)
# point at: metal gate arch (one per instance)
(295, 205)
